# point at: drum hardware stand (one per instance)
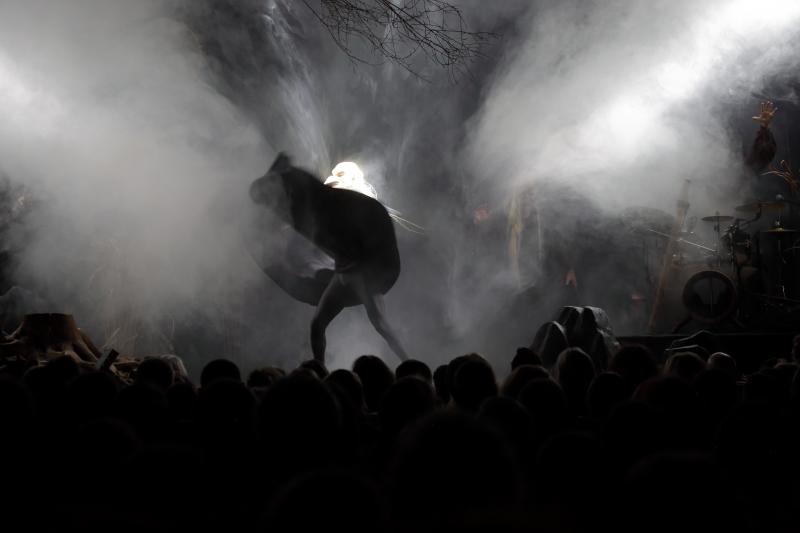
(717, 252)
(781, 302)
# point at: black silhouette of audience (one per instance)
(647, 444)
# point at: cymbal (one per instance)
(763, 206)
(780, 230)
(717, 218)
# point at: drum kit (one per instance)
(747, 271)
(739, 249)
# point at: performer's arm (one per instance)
(764, 146)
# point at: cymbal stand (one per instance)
(717, 252)
(733, 231)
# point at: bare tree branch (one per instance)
(399, 30)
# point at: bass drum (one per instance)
(710, 296)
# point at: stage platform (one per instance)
(749, 349)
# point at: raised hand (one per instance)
(766, 115)
(788, 175)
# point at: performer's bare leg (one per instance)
(373, 302)
(330, 304)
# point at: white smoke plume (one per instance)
(623, 100)
(138, 125)
(136, 164)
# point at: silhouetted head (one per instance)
(525, 356)
(219, 369)
(635, 363)
(414, 367)
(606, 392)
(722, 361)
(408, 399)
(521, 376)
(376, 378)
(474, 381)
(573, 364)
(349, 383)
(156, 372)
(455, 364)
(684, 365)
(264, 377)
(316, 366)
(546, 403)
(179, 372)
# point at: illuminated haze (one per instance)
(625, 99)
(139, 125)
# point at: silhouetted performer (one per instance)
(764, 146)
(353, 229)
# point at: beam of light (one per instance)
(678, 80)
(718, 34)
(698, 54)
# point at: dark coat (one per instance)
(355, 230)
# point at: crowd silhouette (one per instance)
(686, 443)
